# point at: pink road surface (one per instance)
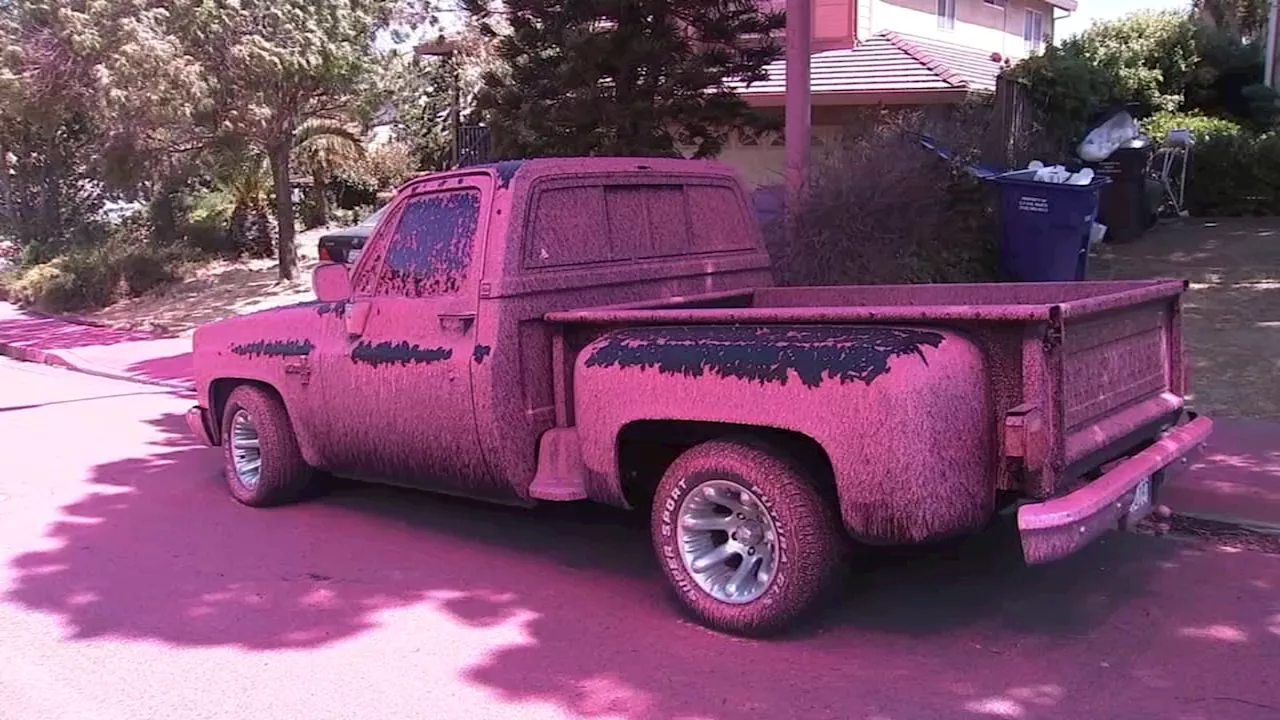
(133, 587)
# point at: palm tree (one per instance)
(247, 181)
(320, 148)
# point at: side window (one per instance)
(430, 251)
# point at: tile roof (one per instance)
(888, 62)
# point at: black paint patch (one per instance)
(401, 353)
(274, 348)
(338, 308)
(480, 353)
(765, 353)
(431, 250)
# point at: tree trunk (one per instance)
(284, 211)
(320, 197)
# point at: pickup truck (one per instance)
(607, 329)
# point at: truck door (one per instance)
(399, 378)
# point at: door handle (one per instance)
(459, 322)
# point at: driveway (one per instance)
(132, 587)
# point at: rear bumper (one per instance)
(198, 423)
(1056, 528)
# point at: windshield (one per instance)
(376, 216)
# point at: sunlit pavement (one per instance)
(133, 587)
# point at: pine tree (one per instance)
(624, 77)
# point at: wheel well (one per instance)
(220, 390)
(647, 447)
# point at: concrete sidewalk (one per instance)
(136, 356)
(1237, 480)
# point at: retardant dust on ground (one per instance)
(214, 291)
(1231, 312)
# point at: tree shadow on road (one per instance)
(170, 369)
(162, 554)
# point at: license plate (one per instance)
(352, 256)
(1141, 496)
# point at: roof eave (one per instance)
(866, 97)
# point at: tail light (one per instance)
(324, 255)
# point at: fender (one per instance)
(274, 350)
(903, 413)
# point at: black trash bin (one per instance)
(1125, 204)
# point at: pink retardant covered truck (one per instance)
(606, 329)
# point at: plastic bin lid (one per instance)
(1027, 178)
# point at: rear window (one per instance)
(615, 223)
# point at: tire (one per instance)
(781, 502)
(283, 476)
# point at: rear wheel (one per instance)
(743, 536)
(262, 463)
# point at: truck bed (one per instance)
(1082, 373)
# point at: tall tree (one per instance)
(276, 65)
(624, 77)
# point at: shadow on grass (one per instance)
(958, 630)
(1232, 312)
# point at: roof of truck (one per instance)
(532, 168)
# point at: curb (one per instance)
(52, 358)
(86, 322)
(1262, 528)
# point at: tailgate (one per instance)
(1122, 371)
(1115, 360)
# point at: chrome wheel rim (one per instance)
(728, 541)
(245, 452)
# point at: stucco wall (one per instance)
(978, 24)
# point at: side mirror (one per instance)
(331, 282)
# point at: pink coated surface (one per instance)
(98, 350)
(902, 414)
(1057, 527)
(1238, 476)
(496, 303)
(130, 587)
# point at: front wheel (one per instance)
(743, 536)
(263, 465)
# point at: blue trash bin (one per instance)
(1044, 227)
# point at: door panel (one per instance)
(405, 412)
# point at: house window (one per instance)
(1033, 31)
(996, 3)
(947, 14)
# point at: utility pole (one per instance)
(1269, 63)
(797, 132)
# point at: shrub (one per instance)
(882, 209)
(1202, 127)
(128, 264)
(1232, 175)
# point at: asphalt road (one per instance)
(132, 587)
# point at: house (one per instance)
(893, 52)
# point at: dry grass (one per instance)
(213, 291)
(1232, 312)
